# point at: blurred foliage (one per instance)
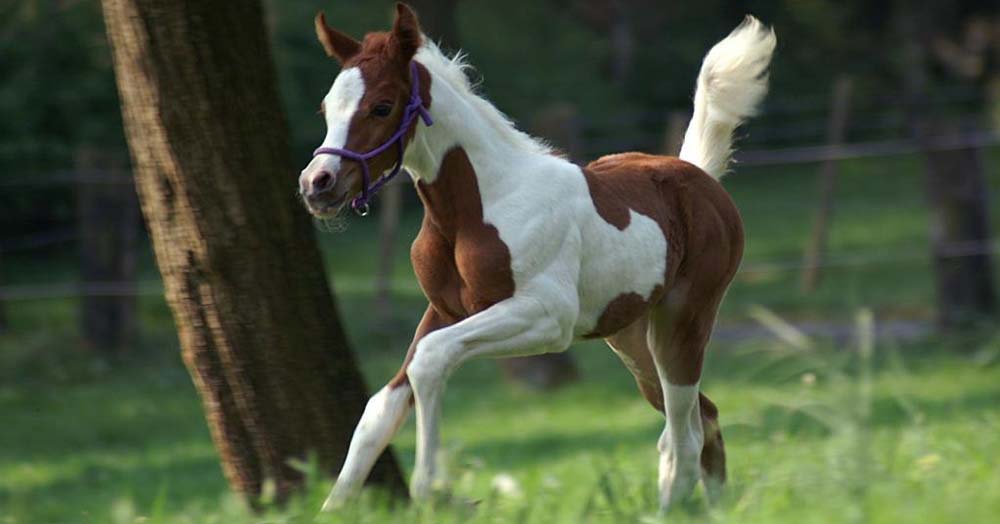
(57, 92)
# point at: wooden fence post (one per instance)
(816, 245)
(108, 221)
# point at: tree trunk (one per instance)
(673, 136)
(108, 221)
(3, 310)
(437, 17)
(960, 232)
(258, 327)
(956, 185)
(389, 210)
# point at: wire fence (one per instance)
(804, 117)
(858, 259)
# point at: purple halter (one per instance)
(415, 107)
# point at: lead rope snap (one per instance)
(362, 210)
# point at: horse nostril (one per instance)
(323, 182)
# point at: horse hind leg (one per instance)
(691, 443)
(631, 347)
(678, 475)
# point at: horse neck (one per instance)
(458, 123)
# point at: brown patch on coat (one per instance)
(620, 312)
(460, 261)
(387, 79)
(384, 61)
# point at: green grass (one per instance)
(83, 440)
(98, 445)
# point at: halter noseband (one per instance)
(414, 108)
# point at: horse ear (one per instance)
(337, 44)
(406, 32)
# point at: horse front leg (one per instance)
(384, 414)
(513, 327)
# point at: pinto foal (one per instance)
(522, 252)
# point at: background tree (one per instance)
(957, 188)
(258, 327)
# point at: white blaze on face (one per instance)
(340, 104)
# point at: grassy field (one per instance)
(809, 440)
(819, 435)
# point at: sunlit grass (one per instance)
(809, 439)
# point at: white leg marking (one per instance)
(383, 416)
(509, 328)
(680, 443)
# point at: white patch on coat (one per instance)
(339, 104)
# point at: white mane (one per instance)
(452, 71)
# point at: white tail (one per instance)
(731, 84)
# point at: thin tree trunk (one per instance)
(437, 17)
(3, 308)
(959, 229)
(816, 247)
(258, 327)
(389, 210)
(108, 221)
(673, 137)
(956, 186)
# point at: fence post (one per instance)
(108, 221)
(816, 245)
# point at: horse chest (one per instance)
(462, 264)
(463, 275)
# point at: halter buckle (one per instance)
(362, 210)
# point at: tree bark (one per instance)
(258, 327)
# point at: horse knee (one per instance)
(430, 363)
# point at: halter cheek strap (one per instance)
(414, 108)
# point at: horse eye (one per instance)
(382, 110)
